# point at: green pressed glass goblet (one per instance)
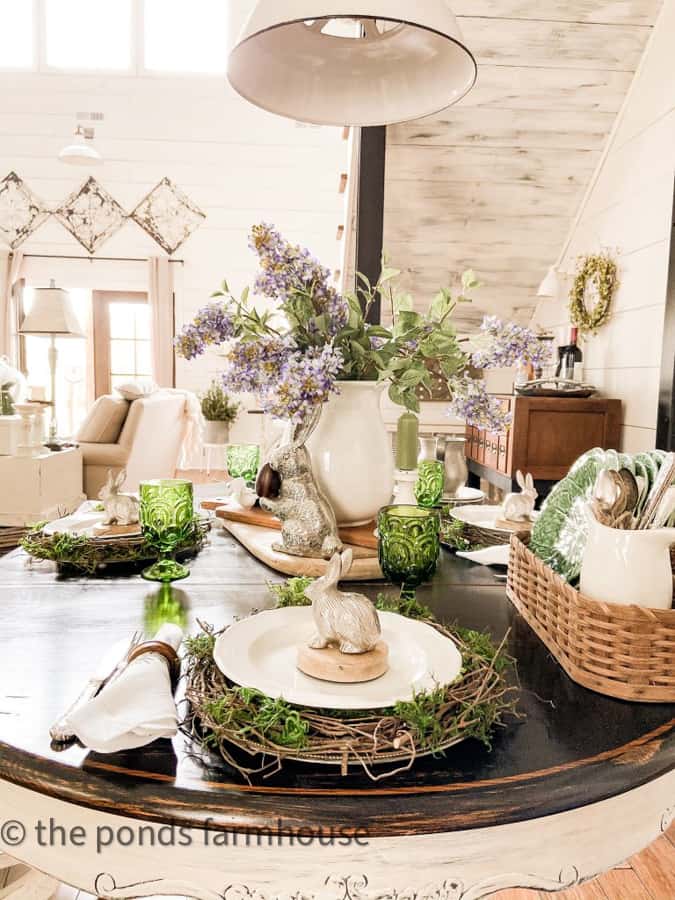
(243, 461)
(430, 483)
(167, 515)
(409, 545)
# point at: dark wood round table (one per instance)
(575, 785)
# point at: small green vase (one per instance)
(430, 482)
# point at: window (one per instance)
(71, 371)
(16, 34)
(88, 34)
(186, 37)
(122, 346)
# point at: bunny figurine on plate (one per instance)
(346, 620)
(119, 509)
(519, 507)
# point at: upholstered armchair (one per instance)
(144, 437)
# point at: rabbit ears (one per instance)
(115, 481)
(526, 483)
(339, 566)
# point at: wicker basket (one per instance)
(621, 651)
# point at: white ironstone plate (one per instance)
(483, 517)
(465, 495)
(260, 652)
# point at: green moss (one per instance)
(291, 592)
(200, 648)
(248, 713)
(89, 556)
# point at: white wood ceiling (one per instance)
(494, 182)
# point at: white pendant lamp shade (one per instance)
(403, 60)
(550, 286)
(82, 151)
(51, 314)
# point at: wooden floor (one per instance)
(649, 876)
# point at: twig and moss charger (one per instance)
(90, 555)
(227, 719)
(600, 270)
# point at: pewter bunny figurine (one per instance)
(308, 524)
(119, 509)
(519, 507)
(348, 620)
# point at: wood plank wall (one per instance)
(239, 164)
(629, 211)
(494, 182)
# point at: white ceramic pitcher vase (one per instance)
(628, 567)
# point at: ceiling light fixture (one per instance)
(325, 64)
(550, 286)
(82, 151)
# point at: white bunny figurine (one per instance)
(519, 507)
(348, 620)
(119, 509)
(238, 491)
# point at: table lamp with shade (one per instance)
(52, 315)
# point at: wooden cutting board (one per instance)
(258, 541)
(361, 536)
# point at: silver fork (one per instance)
(113, 660)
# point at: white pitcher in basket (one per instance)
(628, 567)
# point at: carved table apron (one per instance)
(575, 787)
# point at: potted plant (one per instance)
(220, 412)
(316, 347)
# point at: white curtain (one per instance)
(10, 273)
(161, 298)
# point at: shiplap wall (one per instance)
(493, 183)
(629, 210)
(239, 164)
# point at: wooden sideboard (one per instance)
(546, 436)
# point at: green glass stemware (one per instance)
(430, 483)
(243, 461)
(409, 545)
(167, 516)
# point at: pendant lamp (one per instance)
(367, 62)
(550, 286)
(81, 152)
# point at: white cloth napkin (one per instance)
(82, 522)
(135, 709)
(489, 556)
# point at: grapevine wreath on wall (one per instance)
(602, 272)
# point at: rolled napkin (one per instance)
(135, 709)
(489, 556)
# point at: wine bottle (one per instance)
(569, 357)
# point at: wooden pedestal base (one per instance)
(344, 668)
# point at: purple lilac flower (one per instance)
(212, 326)
(307, 379)
(472, 403)
(253, 365)
(288, 268)
(503, 344)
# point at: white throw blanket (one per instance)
(193, 439)
(135, 709)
